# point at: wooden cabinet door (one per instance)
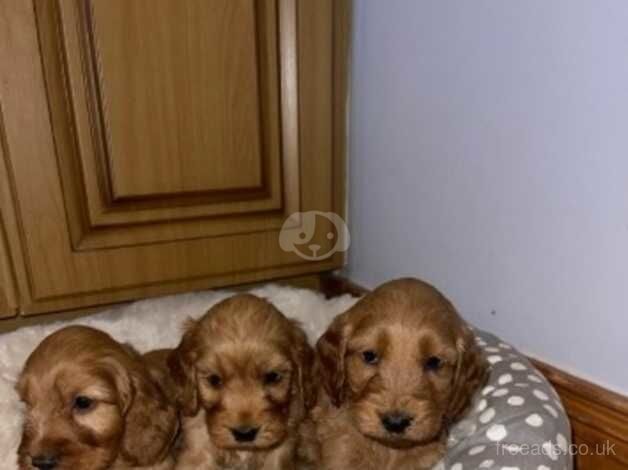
(156, 146)
(8, 293)
(8, 302)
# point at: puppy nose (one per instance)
(44, 461)
(396, 421)
(245, 433)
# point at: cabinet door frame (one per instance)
(79, 118)
(9, 302)
(8, 299)
(28, 72)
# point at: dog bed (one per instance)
(515, 422)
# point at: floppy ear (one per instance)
(471, 373)
(331, 349)
(183, 372)
(303, 357)
(151, 421)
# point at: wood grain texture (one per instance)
(178, 81)
(308, 281)
(343, 15)
(13, 276)
(8, 293)
(101, 216)
(599, 417)
(68, 258)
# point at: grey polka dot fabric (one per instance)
(516, 422)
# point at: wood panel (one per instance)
(309, 281)
(599, 417)
(8, 287)
(127, 153)
(341, 97)
(190, 128)
(80, 248)
(8, 296)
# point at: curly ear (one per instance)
(183, 372)
(331, 349)
(151, 421)
(471, 373)
(303, 358)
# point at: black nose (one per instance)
(44, 461)
(244, 434)
(396, 421)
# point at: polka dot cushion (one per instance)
(516, 422)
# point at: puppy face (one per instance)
(247, 367)
(89, 402)
(402, 362)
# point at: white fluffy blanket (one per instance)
(147, 324)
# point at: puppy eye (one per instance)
(82, 403)
(370, 357)
(433, 363)
(272, 377)
(215, 380)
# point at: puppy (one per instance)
(243, 372)
(92, 404)
(396, 370)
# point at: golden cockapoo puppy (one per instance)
(93, 404)
(243, 372)
(396, 370)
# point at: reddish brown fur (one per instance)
(130, 424)
(240, 340)
(405, 322)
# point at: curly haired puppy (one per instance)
(396, 369)
(93, 404)
(243, 372)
